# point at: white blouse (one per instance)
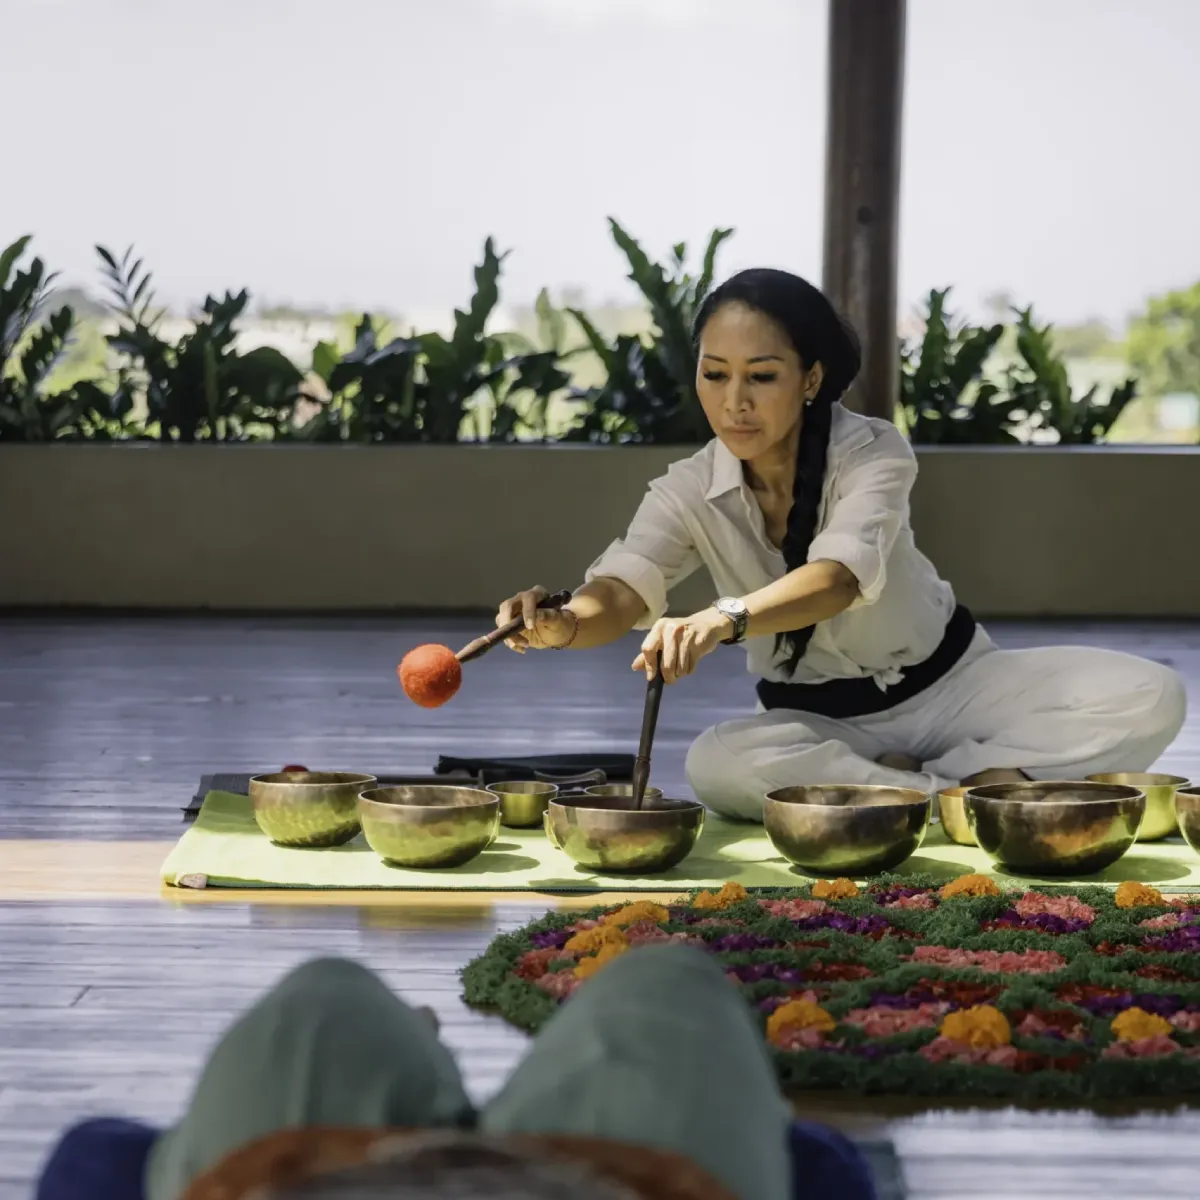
(701, 512)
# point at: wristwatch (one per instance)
(735, 610)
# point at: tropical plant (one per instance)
(201, 387)
(944, 397)
(30, 346)
(649, 394)
(1039, 385)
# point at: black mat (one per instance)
(472, 771)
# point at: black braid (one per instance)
(819, 335)
(811, 456)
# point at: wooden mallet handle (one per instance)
(481, 645)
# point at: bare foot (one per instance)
(994, 775)
(896, 761)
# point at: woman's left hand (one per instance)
(676, 644)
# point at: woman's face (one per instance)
(751, 382)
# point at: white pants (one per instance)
(1055, 713)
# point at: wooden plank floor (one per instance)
(110, 993)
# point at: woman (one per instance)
(869, 671)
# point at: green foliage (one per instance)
(944, 397)
(431, 388)
(200, 388)
(1164, 343)
(1039, 385)
(32, 344)
(649, 393)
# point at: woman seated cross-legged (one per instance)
(868, 670)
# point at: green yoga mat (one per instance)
(225, 849)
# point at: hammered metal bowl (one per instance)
(429, 825)
(1160, 799)
(308, 808)
(607, 834)
(1055, 828)
(1187, 810)
(952, 812)
(618, 790)
(846, 829)
(523, 802)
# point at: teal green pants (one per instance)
(658, 1049)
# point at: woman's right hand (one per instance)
(545, 628)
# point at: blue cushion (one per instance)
(107, 1158)
(827, 1165)
(101, 1158)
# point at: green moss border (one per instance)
(489, 982)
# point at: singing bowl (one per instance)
(429, 825)
(952, 812)
(523, 802)
(619, 790)
(844, 829)
(1160, 792)
(308, 808)
(1187, 811)
(608, 835)
(1055, 828)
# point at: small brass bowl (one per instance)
(1187, 810)
(429, 825)
(618, 790)
(1055, 828)
(607, 834)
(952, 811)
(846, 829)
(1160, 800)
(523, 802)
(308, 808)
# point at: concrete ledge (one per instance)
(1019, 532)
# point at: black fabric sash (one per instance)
(843, 699)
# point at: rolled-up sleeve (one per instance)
(657, 551)
(869, 510)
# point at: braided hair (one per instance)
(818, 334)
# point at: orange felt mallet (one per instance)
(431, 674)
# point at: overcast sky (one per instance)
(357, 152)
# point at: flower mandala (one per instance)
(914, 986)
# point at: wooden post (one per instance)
(862, 186)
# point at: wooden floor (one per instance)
(111, 993)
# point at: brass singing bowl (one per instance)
(308, 808)
(1187, 811)
(429, 825)
(1160, 799)
(1055, 828)
(523, 802)
(952, 812)
(618, 790)
(607, 834)
(846, 829)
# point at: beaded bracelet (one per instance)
(574, 628)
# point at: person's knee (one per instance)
(721, 778)
(1157, 705)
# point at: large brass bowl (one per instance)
(1187, 810)
(523, 802)
(607, 834)
(429, 825)
(308, 808)
(952, 812)
(1055, 828)
(846, 829)
(1160, 799)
